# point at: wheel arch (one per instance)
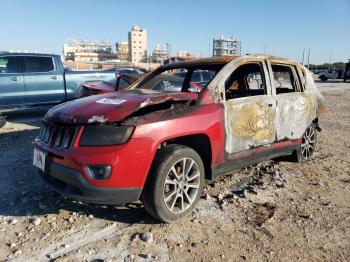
(198, 142)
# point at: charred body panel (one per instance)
(250, 122)
(295, 112)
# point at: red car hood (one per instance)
(111, 107)
(101, 86)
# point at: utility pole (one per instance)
(209, 49)
(308, 59)
(302, 61)
(330, 61)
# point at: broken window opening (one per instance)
(246, 80)
(180, 79)
(284, 79)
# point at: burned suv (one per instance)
(160, 140)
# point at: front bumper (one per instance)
(71, 183)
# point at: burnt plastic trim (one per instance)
(251, 159)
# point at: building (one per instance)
(226, 47)
(122, 49)
(181, 55)
(88, 51)
(137, 39)
(161, 52)
(187, 55)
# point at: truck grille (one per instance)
(60, 137)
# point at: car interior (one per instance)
(246, 80)
(8, 65)
(284, 79)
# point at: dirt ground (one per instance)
(274, 211)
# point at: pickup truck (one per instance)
(31, 81)
(328, 74)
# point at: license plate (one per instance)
(39, 159)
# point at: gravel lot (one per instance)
(274, 211)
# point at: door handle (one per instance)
(55, 77)
(15, 78)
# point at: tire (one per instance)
(307, 146)
(80, 92)
(323, 78)
(169, 194)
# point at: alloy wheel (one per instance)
(308, 143)
(181, 185)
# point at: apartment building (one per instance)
(122, 50)
(137, 44)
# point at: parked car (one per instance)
(30, 81)
(200, 77)
(166, 83)
(160, 144)
(123, 78)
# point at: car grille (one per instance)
(60, 137)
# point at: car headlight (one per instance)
(105, 135)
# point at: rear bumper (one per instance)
(71, 183)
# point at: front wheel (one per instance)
(307, 146)
(174, 183)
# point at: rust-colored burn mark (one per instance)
(255, 121)
(320, 110)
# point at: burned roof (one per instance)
(202, 62)
(220, 61)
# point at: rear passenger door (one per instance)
(12, 91)
(295, 109)
(43, 81)
(249, 109)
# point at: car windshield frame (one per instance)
(189, 67)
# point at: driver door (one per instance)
(250, 109)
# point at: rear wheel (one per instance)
(323, 78)
(307, 146)
(80, 92)
(174, 184)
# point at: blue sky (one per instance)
(279, 27)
